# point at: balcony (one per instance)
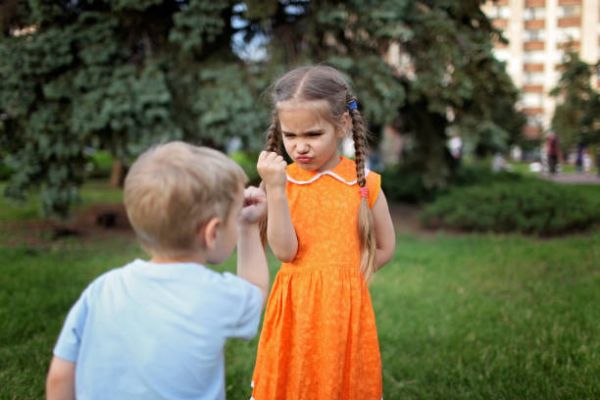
(535, 3)
(532, 131)
(534, 45)
(533, 88)
(533, 67)
(569, 45)
(535, 24)
(533, 111)
(500, 23)
(567, 22)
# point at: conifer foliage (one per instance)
(120, 75)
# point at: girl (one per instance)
(329, 223)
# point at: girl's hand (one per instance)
(255, 206)
(271, 168)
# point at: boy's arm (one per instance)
(251, 259)
(280, 230)
(385, 237)
(60, 383)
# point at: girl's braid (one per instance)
(359, 135)
(273, 134)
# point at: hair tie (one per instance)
(352, 105)
(364, 192)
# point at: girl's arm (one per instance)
(385, 237)
(60, 384)
(280, 231)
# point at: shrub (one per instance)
(530, 206)
(247, 160)
(100, 165)
(400, 183)
(5, 171)
(403, 183)
(476, 174)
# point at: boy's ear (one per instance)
(209, 232)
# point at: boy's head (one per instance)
(174, 191)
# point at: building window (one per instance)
(502, 54)
(534, 120)
(501, 12)
(534, 78)
(569, 34)
(534, 34)
(534, 13)
(534, 57)
(533, 99)
(569, 11)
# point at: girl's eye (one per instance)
(314, 134)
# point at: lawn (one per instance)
(459, 317)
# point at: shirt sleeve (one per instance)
(249, 303)
(374, 186)
(69, 341)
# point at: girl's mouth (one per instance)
(303, 159)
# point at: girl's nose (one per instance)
(302, 148)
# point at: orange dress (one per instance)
(319, 339)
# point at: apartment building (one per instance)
(538, 33)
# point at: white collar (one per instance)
(328, 172)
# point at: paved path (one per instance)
(573, 178)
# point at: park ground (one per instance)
(460, 316)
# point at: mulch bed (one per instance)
(99, 221)
(105, 221)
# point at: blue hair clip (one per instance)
(352, 105)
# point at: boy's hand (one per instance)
(255, 205)
(271, 168)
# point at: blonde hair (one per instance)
(313, 83)
(173, 189)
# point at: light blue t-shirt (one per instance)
(157, 331)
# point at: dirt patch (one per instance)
(105, 221)
(406, 219)
(98, 221)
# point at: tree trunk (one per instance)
(117, 174)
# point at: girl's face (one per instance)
(309, 139)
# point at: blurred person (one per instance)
(552, 152)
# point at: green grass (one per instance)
(523, 168)
(468, 317)
(459, 317)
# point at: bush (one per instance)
(478, 174)
(100, 165)
(247, 160)
(400, 183)
(530, 206)
(5, 171)
(405, 184)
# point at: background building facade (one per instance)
(538, 33)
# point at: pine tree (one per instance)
(121, 75)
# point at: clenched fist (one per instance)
(271, 168)
(255, 205)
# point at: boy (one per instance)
(156, 329)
